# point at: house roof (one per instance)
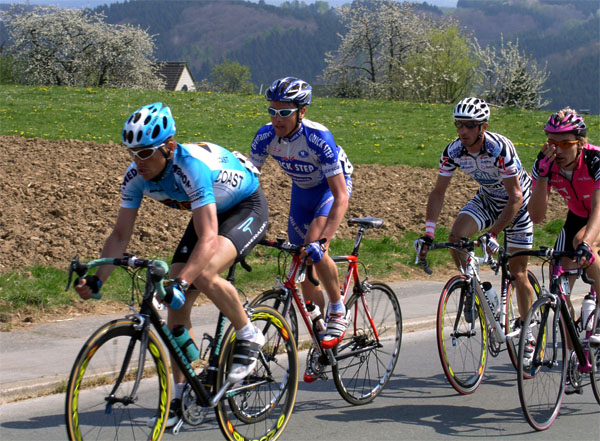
(171, 71)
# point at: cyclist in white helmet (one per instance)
(321, 186)
(501, 201)
(228, 217)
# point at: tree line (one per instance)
(381, 49)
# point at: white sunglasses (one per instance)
(146, 153)
(284, 113)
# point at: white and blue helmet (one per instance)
(290, 90)
(148, 126)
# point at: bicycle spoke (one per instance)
(367, 355)
(541, 382)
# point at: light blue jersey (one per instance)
(199, 174)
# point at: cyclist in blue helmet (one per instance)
(321, 186)
(229, 216)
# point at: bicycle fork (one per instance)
(142, 325)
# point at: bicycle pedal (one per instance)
(177, 426)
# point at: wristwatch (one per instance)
(183, 284)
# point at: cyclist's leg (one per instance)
(475, 216)
(519, 236)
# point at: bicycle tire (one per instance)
(366, 357)
(92, 379)
(274, 299)
(512, 314)
(594, 356)
(542, 385)
(463, 353)
(261, 405)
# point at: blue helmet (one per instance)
(148, 126)
(290, 90)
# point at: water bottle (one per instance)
(491, 295)
(185, 342)
(317, 318)
(587, 307)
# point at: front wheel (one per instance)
(260, 406)
(512, 318)
(594, 355)
(279, 299)
(110, 394)
(367, 355)
(541, 379)
(461, 335)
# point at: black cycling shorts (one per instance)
(244, 225)
(572, 226)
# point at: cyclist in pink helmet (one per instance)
(570, 165)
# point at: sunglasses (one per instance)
(145, 153)
(284, 113)
(467, 124)
(562, 144)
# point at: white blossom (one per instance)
(74, 47)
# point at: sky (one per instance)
(94, 3)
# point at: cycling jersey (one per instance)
(309, 156)
(496, 161)
(578, 186)
(199, 174)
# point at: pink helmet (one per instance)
(566, 122)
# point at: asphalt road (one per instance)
(417, 404)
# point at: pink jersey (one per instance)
(577, 190)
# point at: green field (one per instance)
(372, 132)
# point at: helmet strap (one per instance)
(574, 160)
(479, 137)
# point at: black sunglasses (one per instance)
(467, 124)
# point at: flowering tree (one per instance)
(391, 51)
(71, 47)
(509, 78)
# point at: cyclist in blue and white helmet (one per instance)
(321, 186)
(218, 191)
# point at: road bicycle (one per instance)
(363, 362)
(471, 323)
(542, 380)
(119, 386)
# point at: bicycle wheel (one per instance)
(462, 346)
(542, 381)
(275, 298)
(367, 355)
(261, 405)
(102, 401)
(512, 315)
(594, 356)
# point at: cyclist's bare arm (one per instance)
(538, 202)
(510, 210)
(337, 184)
(435, 202)
(114, 246)
(592, 228)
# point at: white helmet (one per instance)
(472, 109)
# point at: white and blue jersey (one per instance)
(198, 175)
(497, 160)
(309, 156)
